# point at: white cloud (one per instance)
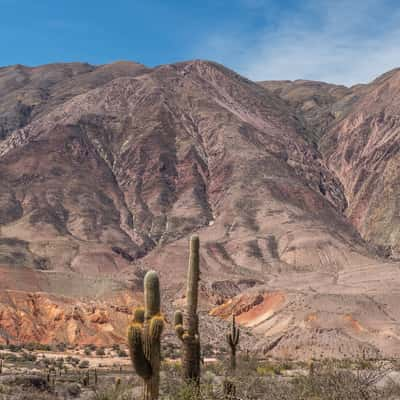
(340, 41)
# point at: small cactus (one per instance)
(86, 379)
(53, 382)
(144, 335)
(187, 323)
(232, 338)
(311, 368)
(117, 383)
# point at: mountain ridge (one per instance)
(106, 172)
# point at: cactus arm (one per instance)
(138, 315)
(178, 318)
(233, 336)
(180, 331)
(156, 327)
(233, 340)
(135, 344)
(151, 295)
(229, 340)
(178, 324)
(236, 337)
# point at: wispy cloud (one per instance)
(339, 41)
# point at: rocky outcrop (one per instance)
(351, 317)
(45, 318)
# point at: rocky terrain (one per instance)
(106, 170)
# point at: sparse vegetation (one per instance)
(253, 380)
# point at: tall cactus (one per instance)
(232, 338)
(187, 323)
(144, 336)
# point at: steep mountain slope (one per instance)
(356, 130)
(363, 149)
(111, 170)
(318, 103)
(142, 161)
(26, 93)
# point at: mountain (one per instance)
(317, 103)
(362, 148)
(357, 133)
(106, 171)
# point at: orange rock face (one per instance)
(45, 318)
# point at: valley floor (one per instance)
(88, 374)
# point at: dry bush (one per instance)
(113, 393)
(267, 381)
(327, 381)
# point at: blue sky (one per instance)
(341, 41)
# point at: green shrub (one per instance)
(84, 364)
(30, 346)
(114, 392)
(29, 356)
(10, 357)
(100, 351)
(73, 390)
(14, 348)
(122, 353)
(61, 347)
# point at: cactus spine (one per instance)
(187, 324)
(144, 335)
(232, 338)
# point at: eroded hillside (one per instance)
(106, 170)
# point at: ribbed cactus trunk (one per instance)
(233, 359)
(152, 341)
(144, 338)
(233, 340)
(187, 325)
